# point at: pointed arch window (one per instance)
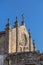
(25, 39)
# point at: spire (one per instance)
(8, 24)
(9, 20)
(23, 23)
(16, 22)
(23, 17)
(29, 32)
(16, 18)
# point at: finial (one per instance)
(23, 17)
(16, 22)
(33, 40)
(9, 20)
(23, 23)
(29, 31)
(34, 45)
(8, 24)
(16, 18)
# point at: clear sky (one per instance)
(33, 13)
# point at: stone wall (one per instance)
(2, 43)
(23, 40)
(25, 58)
(12, 41)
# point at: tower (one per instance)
(16, 25)
(7, 36)
(23, 23)
(29, 40)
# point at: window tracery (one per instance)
(25, 39)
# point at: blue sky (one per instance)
(33, 13)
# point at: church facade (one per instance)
(17, 46)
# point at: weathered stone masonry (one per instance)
(17, 46)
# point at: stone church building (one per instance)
(17, 46)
